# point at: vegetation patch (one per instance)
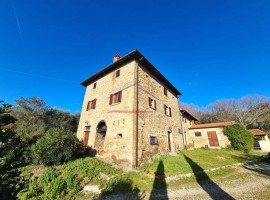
(67, 181)
(201, 160)
(56, 147)
(240, 138)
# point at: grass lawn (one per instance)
(66, 181)
(196, 160)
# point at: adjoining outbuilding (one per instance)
(209, 135)
(261, 140)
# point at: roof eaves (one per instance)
(136, 55)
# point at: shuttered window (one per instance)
(167, 110)
(152, 103)
(88, 105)
(115, 98)
(91, 104)
(165, 91)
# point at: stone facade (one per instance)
(132, 132)
(154, 122)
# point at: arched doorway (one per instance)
(100, 136)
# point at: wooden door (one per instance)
(213, 140)
(85, 139)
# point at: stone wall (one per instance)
(186, 124)
(119, 118)
(154, 122)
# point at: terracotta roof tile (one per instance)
(257, 132)
(212, 125)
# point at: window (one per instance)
(87, 128)
(91, 104)
(117, 73)
(153, 140)
(115, 98)
(198, 134)
(152, 103)
(167, 110)
(165, 91)
(95, 85)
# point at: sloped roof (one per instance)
(134, 55)
(257, 132)
(184, 112)
(212, 125)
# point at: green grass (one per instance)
(200, 159)
(66, 181)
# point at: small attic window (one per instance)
(117, 73)
(95, 85)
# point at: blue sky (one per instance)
(209, 50)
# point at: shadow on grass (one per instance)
(246, 157)
(159, 190)
(259, 167)
(120, 188)
(213, 190)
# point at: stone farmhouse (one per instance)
(130, 113)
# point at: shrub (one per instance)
(240, 138)
(52, 185)
(56, 147)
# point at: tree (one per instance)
(11, 156)
(55, 118)
(244, 111)
(34, 118)
(30, 114)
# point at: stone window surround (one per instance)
(91, 104)
(117, 73)
(115, 96)
(155, 138)
(152, 103)
(167, 110)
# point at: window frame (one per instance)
(198, 134)
(91, 105)
(165, 91)
(152, 103)
(155, 138)
(167, 110)
(114, 96)
(117, 73)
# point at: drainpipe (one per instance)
(137, 113)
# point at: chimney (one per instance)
(116, 57)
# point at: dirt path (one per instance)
(241, 183)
